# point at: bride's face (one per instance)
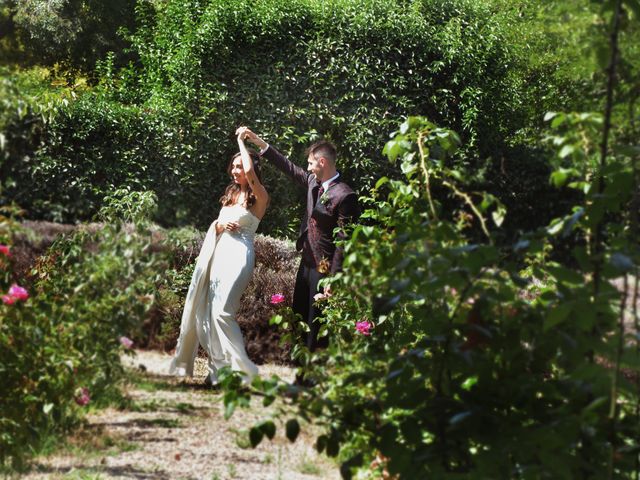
(237, 172)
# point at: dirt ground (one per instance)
(175, 429)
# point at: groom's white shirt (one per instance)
(325, 184)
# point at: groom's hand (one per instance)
(246, 134)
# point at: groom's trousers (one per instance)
(304, 304)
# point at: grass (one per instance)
(183, 408)
(308, 467)
(91, 442)
(82, 474)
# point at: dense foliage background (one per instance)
(295, 71)
(492, 278)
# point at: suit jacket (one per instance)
(337, 207)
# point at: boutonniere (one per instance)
(324, 266)
(324, 198)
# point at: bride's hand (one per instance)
(241, 132)
(231, 226)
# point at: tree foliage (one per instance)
(293, 71)
(70, 35)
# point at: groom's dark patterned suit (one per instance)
(326, 210)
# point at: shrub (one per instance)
(61, 347)
(276, 265)
(448, 358)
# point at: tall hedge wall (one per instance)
(292, 70)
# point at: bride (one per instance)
(223, 270)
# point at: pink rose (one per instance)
(82, 396)
(5, 250)
(8, 300)
(277, 298)
(364, 328)
(18, 292)
(126, 342)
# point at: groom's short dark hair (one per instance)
(323, 148)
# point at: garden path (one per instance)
(176, 429)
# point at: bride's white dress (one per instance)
(223, 270)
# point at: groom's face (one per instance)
(315, 166)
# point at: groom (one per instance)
(331, 203)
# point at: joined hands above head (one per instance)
(244, 133)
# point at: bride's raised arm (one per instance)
(247, 164)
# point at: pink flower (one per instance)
(319, 297)
(8, 300)
(126, 342)
(82, 396)
(18, 292)
(364, 328)
(5, 250)
(277, 298)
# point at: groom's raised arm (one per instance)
(282, 163)
(286, 166)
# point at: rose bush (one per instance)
(61, 339)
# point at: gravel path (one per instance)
(176, 429)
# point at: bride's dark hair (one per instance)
(233, 189)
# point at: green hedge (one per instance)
(294, 71)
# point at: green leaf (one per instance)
(381, 182)
(566, 150)
(469, 382)
(558, 120)
(557, 315)
(566, 275)
(268, 428)
(559, 177)
(321, 443)
(255, 436)
(498, 215)
(634, 6)
(345, 468)
(229, 409)
(292, 429)
(628, 150)
(333, 446)
(595, 404)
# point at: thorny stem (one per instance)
(598, 250)
(468, 201)
(611, 70)
(425, 171)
